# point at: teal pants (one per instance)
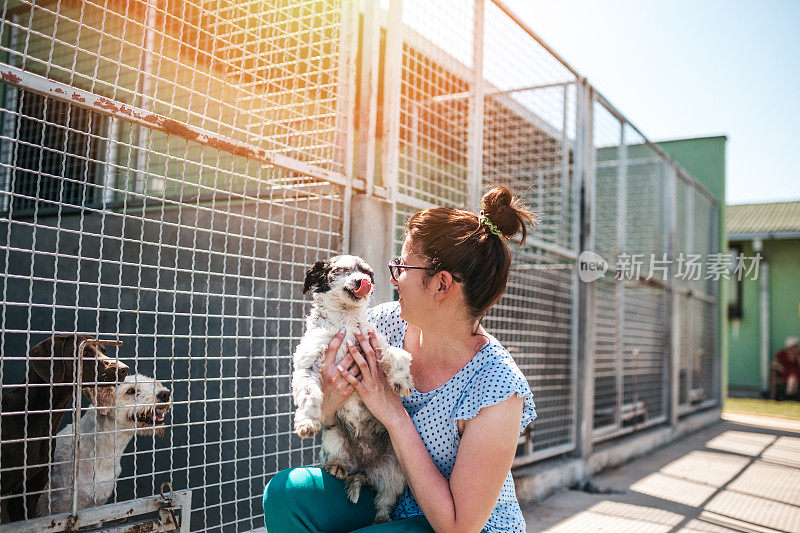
(309, 499)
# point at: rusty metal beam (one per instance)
(87, 100)
(129, 510)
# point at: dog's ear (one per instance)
(89, 392)
(366, 269)
(102, 397)
(43, 361)
(317, 278)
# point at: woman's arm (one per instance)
(484, 458)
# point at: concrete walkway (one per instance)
(729, 477)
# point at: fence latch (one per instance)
(166, 512)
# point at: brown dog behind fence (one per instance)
(31, 414)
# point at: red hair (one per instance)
(457, 241)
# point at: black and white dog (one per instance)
(357, 448)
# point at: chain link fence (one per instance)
(169, 169)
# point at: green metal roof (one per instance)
(775, 219)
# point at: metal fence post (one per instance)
(368, 110)
(393, 70)
(145, 100)
(763, 324)
(575, 244)
(691, 346)
(673, 303)
(390, 128)
(720, 294)
(346, 107)
(584, 173)
(475, 132)
(722, 309)
(622, 197)
(564, 227)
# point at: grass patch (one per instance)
(788, 408)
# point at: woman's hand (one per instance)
(335, 388)
(377, 395)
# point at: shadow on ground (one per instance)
(726, 478)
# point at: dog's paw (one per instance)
(337, 469)
(353, 484)
(307, 429)
(382, 517)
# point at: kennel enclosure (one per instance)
(170, 168)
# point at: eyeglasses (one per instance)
(395, 267)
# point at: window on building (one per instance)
(49, 154)
(734, 286)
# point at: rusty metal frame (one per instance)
(87, 100)
(76, 416)
(133, 513)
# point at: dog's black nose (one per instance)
(163, 396)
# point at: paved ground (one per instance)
(731, 477)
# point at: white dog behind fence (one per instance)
(136, 406)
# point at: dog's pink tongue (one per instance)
(363, 289)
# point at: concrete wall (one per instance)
(370, 222)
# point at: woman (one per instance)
(457, 434)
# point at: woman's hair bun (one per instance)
(506, 212)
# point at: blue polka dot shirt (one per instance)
(490, 377)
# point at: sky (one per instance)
(682, 69)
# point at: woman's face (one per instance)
(415, 298)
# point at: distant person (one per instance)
(787, 362)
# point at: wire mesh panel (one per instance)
(645, 205)
(205, 294)
(606, 341)
(434, 100)
(70, 147)
(686, 351)
(646, 342)
(189, 253)
(704, 239)
(529, 146)
(263, 72)
(710, 362)
(631, 341)
(533, 321)
(529, 125)
(402, 214)
(700, 366)
(532, 160)
(646, 353)
(528, 134)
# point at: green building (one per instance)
(766, 310)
